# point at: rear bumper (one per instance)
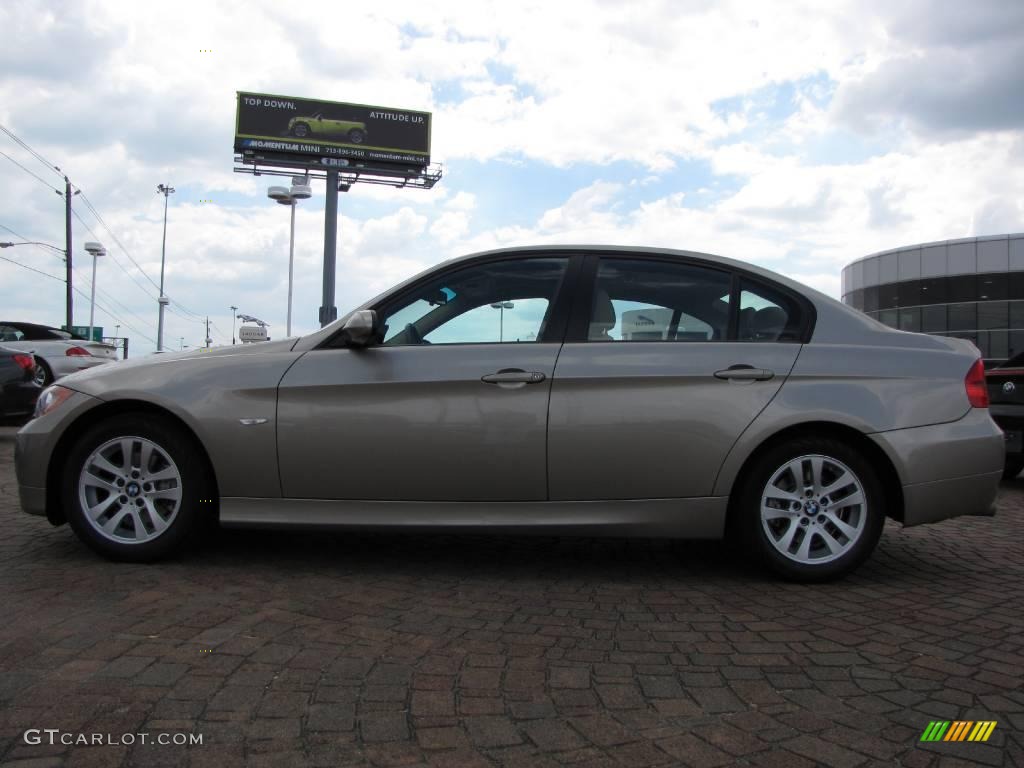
(19, 398)
(1009, 417)
(947, 470)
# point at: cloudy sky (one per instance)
(796, 135)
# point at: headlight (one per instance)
(51, 398)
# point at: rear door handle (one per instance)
(744, 373)
(513, 376)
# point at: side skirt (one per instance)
(697, 518)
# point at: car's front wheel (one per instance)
(133, 487)
(356, 136)
(811, 509)
(301, 130)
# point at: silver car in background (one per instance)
(58, 352)
(561, 390)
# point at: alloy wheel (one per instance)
(813, 509)
(130, 490)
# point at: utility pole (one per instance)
(166, 190)
(209, 341)
(234, 313)
(67, 253)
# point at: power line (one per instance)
(112, 256)
(91, 207)
(34, 176)
(88, 203)
(107, 297)
(83, 295)
(51, 166)
(32, 269)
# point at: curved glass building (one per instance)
(972, 288)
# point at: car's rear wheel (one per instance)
(133, 487)
(43, 375)
(356, 136)
(811, 509)
(301, 130)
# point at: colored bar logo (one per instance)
(958, 730)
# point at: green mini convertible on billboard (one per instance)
(317, 125)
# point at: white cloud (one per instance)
(535, 86)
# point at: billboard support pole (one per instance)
(329, 312)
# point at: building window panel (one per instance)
(962, 317)
(993, 255)
(992, 287)
(993, 314)
(962, 259)
(909, 293)
(933, 319)
(871, 276)
(889, 317)
(1016, 314)
(871, 299)
(998, 345)
(1016, 343)
(909, 264)
(933, 290)
(910, 319)
(888, 296)
(961, 288)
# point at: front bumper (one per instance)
(34, 446)
(947, 470)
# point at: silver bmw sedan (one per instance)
(560, 390)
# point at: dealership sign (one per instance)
(319, 132)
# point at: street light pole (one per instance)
(97, 250)
(166, 190)
(300, 190)
(67, 253)
(234, 315)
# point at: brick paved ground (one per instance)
(444, 651)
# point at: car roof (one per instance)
(37, 327)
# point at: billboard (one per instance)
(317, 132)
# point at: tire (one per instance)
(1013, 466)
(356, 136)
(301, 130)
(825, 551)
(43, 373)
(164, 501)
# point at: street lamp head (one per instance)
(281, 194)
(96, 249)
(301, 190)
(165, 189)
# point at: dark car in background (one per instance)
(1006, 395)
(19, 387)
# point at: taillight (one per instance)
(77, 352)
(27, 362)
(977, 392)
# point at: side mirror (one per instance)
(360, 330)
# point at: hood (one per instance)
(174, 360)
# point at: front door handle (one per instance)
(513, 376)
(744, 373)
